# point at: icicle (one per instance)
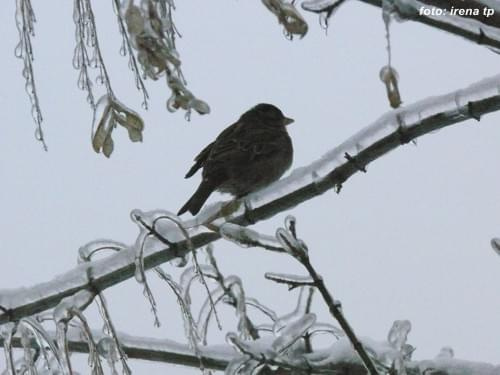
(7, 331)
(398, 333)
(62, 343)
(152, 33)
(190, 328)
(94, 359)
(262, 308)
(107, 349)
(109, 329)
(397, 338)
(44, 342)
(254, 349)
(246, 237)
(320, 328)
(293, 281)
(25, 20)
(213, 298)
(325, 9)
(296, 314)
(189, 275)
(446, 353)
(86, 251)
(293, 331)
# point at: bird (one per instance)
(246, 156)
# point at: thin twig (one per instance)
(337, 314)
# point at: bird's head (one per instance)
(270, 113)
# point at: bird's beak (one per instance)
(287, 121)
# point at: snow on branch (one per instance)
(387, 133)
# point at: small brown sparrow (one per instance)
(247, 156)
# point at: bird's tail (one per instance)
(199, 197)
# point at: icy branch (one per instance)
(339, 358)
(479, 29)
(390, 131)
(25, 22)
(297, 248)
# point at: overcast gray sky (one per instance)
(407, 240)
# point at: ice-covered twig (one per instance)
(125, 49)
(86, 37)
(155, 217)
(236, 302)
(480, 29)
(293, 281)
(85, 254)
(152, 33)
(298, 250)
(325, 9)
(217, 357)
(25, 22)
(246, 237)
(387, 133)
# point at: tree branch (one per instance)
(390, 131)
(478, 29)
(218, 357)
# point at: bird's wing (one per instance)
(202, 157)
(199, 160)
(243, 144)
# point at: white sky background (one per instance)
(408, 240)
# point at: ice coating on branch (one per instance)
(63, 313)
(246, 237)
(25, 22)
(276, 346)
(233, 288)
(49, 352)
(397, 337)
(292, 281)
(239, 365)
(288, 16)
(296, 314)
(192, 273)
(153, 35)
(106, 348)
(411, 8)
(292, 246)
(256, 349)
(452, 106)
(86, 251)
(66, 309)
(321, 328)
(290, 333)
(446, 352)
(271, 314)
(190, 329)
(158, 229)
(7, 331)
(109, 329)
(398, 334)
